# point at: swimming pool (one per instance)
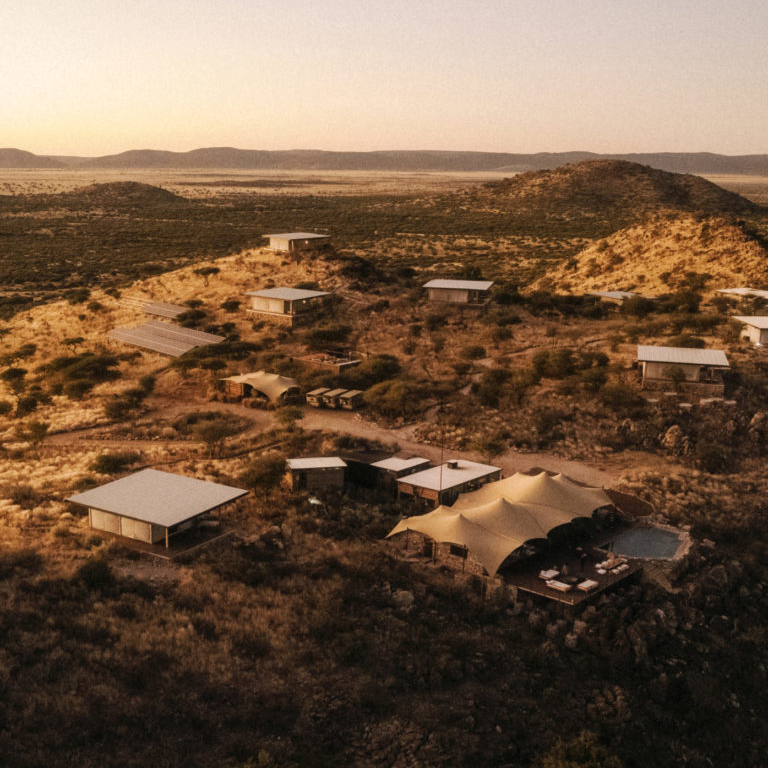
(647, 542)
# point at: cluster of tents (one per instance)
(499, 518)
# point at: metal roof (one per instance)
(165, 338)
(464, 472)
(682, 356)
(745, 292)
(395, 464)
(288, 294)
(470, 285)
(158, 497)
(618, 294)
(317, 462)
(298, 236)
(318, 391)
(334, 392)
(756, 321)
(351, 393)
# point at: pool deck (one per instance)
(527, 579)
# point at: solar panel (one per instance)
(164, 338)
(163, 309)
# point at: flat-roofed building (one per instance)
(287, 306)
(469, 292)
(151, 506)
(755, 329)
(443, 484)
(683, 366)
(316, 474)
(391, 469)
(295, 241)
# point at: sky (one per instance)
(96, 77)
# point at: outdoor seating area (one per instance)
(570, 575)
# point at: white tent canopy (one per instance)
(501, 516)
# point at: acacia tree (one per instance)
(33, 432)
(206, 273)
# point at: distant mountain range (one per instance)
(395, 160)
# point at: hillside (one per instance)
(390, 160)
(18, 158)
(610, 190)
(119, 194)
(650, 257)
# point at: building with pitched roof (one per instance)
(683, 366)
(755, 328)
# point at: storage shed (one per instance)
(316, 474)
(151, 506)
(285, 305)
(443, 484)
(270, 387)
(470, 292)
(755, 329)
(295, 241)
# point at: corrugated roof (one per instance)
(288, 294)
(756, 321)
(316, 462)
(334, 392)
(464, 472)
(165, 338)
(745, 292)
(158, 497)
(298, 235)
(471, 285)
(351, 393)
(394, 464)
(682, 356)
(164, 309)
(318, 391)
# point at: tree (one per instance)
(34, 433)
(73, 342)
(206, 273)
(214, 434)
(264, 473)
(288, 415)
(14, 378)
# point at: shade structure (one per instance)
(271, 385)
(501, 516)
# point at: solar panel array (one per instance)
(164, 338)
(160, 308)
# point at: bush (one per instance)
(111, 463)
(264, 472)
(96, 573)
(371, 371)
(473, 352)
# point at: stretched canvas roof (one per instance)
(682, 356)
(287, 294)
(158, 497)
(495, 520)
(272, 385)
(470, 285)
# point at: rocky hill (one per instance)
(611, 189)
(120, 194)
(654, 256)
(18, 158)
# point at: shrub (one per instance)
(371, 371)
(111, 463)
(230, 305)
(96, 573)
(264, 472)
(473, 352)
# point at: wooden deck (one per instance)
(525, 576)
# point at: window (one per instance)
(458, 551)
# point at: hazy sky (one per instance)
(103, 76)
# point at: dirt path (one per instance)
(605, 473)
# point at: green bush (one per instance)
(112, 463)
